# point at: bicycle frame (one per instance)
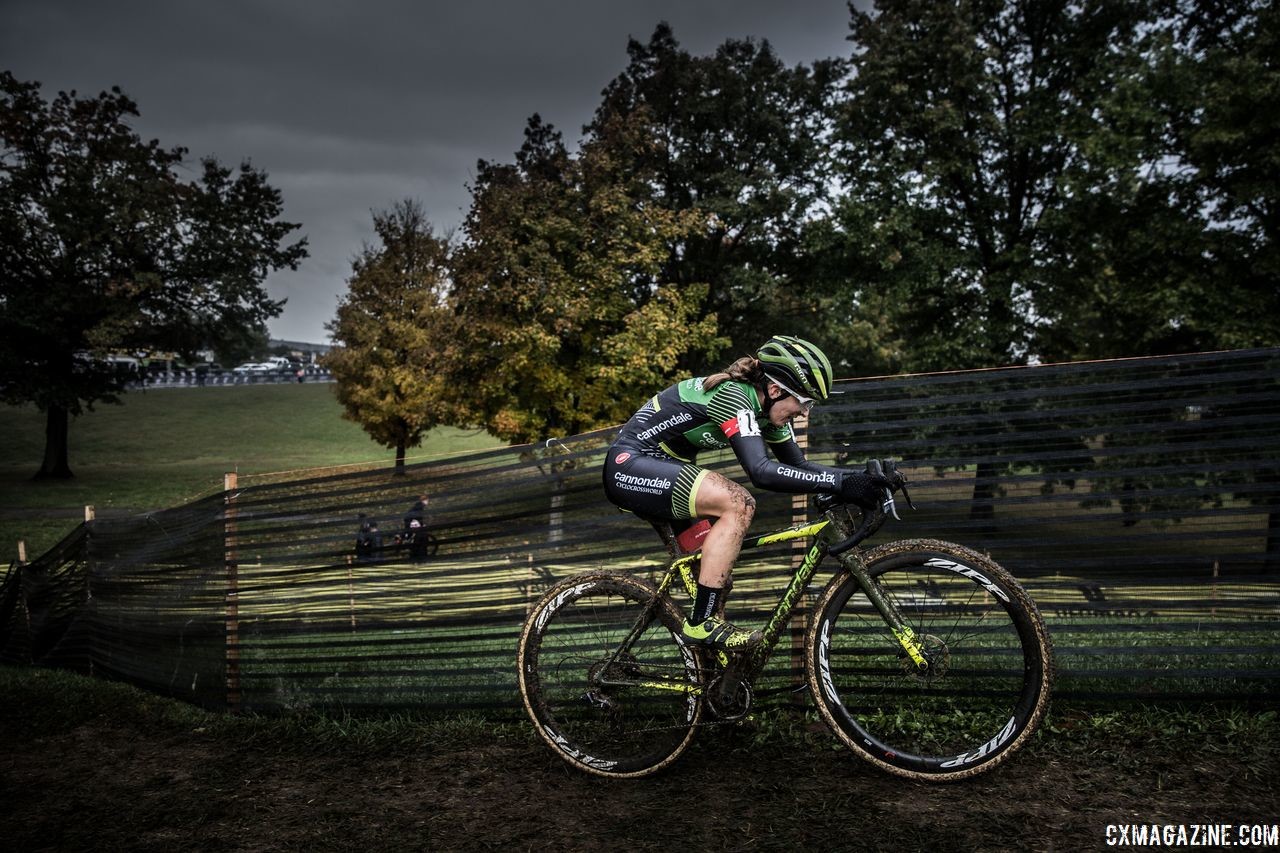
(825, 533)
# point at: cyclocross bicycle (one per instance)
(924, 657)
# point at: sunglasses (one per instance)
(806, 403)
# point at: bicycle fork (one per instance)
(888, 610)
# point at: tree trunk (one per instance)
(399, 459)
(1269, 477)
(55, 465)
(983, 504)
(1272, 561)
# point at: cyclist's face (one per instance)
(785, 407)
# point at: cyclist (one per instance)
(652, 467)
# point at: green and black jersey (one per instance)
(686, 419)
(652, 467)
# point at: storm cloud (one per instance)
(350, 107)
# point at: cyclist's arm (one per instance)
(789, 472)
(785, 449)
(733, 410)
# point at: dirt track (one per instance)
(103, 784)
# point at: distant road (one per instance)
(192, 379)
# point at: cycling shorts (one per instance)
(654, 486)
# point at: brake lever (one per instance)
(890, 506)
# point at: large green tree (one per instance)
(105, 249)
(564, 318)
(1167, 240)
(743, 139)
(961, 121)
(1063, 180)
(394, 331)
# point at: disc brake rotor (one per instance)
(936, 654)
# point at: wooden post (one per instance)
(88, 584)
(351, 593)
(531, 596)
(230, 554)
(1213, 591)
(22, 552)
(800, 515)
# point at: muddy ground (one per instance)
(134, 779)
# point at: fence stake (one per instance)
(800, 515)
(1213, 591)
(229, 483)
(22, 552)
(351, 593)
(88, 513)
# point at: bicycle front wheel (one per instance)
(606, 709)
(984, 682)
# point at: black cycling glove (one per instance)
(861, 489)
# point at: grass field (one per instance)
(161, 448)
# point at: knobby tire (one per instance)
(593, 710)
(990, 675)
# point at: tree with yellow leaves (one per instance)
(562, 311)
(393, 331)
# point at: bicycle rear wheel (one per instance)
(989, 673)
(616, 715)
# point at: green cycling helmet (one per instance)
(798, 365)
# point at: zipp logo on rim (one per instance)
(824, 660)
(560, 599)
(987, 748)
(939, 563)
(590, 761)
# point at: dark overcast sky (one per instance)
(350, 106)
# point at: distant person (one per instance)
(301, 374)
(422, 544)
(417, 512)
(368, 539)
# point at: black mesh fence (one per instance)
(1137, 500)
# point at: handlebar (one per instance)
(875, 517)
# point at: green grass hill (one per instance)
(165, 447)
